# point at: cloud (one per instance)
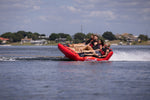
(145, 10)
(80, 21)
(20, 5)
(103, 14)
(50, 18)
(43, 18)
(114, 10)
(27, 21)
(36, 7)
(88, 1)
(89, 12)
(73, 9)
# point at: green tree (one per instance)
(23, 33)
(143, 37)
(62, 35)
(8, 35)
(17, 37)
(79, 37)
(29, 34)
(35, 36)
(109, 35)
(53, 36)
(69, 38)
(35, 33)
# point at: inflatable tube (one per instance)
(71, 54)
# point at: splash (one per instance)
(130, 56)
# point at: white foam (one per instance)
(7, 59)
(130, 56)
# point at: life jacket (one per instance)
(91, 45)
(103, 50)
(94, 46)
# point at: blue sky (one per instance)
(97, 16)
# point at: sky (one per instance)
(67, 16)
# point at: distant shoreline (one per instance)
(115, 42)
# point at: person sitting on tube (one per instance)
(98, 53)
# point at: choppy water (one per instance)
(41, 73)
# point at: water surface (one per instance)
(41, 73)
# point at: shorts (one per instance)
(81, 54)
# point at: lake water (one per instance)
(41, 73)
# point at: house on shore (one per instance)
(4, 40)
(129, 38)
(26, 40)
(35, 42)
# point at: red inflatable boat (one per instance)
(71, 54)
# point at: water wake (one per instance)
(55, 58)
(130, 56)
(117, 56)
(7, 59)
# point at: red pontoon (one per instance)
(71, 54)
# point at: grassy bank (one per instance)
(143, 43)
(29, 44)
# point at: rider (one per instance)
(101, 53)
(105, 50)
(94, 40)
(93, 45)
(90, 40)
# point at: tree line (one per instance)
(81, 37)
(76, 38)
(17, 36)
